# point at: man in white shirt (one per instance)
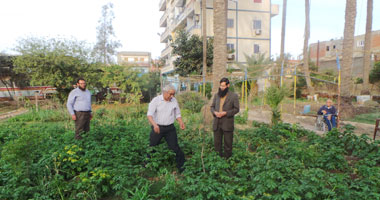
(79, 107)
(163, 111)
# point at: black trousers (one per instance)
(170, 135)
(219, 135)
(82, 123)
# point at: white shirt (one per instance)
(79, 100)
(164, 112)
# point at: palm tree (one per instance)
(310, 88)
(348, 44)
(220, 42)
(367, 48)
(255, 67)
(204, 34)
(282, 36)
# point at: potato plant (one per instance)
(41, 160)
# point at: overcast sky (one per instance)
(136, 22)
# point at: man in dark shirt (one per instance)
(329, 112)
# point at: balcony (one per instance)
(191, 9)
(163, 20)
(192, 27)
(274, 10)
(179, 3)
(162, 5)
(166, 51)
(167, 68)
(165, 35)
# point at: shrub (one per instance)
(273, 97)
(192, 101)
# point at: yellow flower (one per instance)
(70, 152)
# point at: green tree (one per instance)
(189, 50)
(106, 45)
(150, 85)
(123, 77)
(8, 77)
(54, 62)
(374, 76)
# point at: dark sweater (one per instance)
(331, 111)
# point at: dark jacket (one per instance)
(331, 111)
(231, 106)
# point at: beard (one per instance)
(222, 93)
(82, 88)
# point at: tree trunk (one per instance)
(367, 48)
(220, 52)
(310, 88)
(220, 43)
(348, 44)
(204, 34)
(282, 40)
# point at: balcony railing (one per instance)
(165, 35)
(166, 51)
(162, 5)
(163, 20)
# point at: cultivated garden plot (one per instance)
(41, 160)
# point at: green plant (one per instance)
(192, 101)
(242, 118)
(282, 161)
(273, 97)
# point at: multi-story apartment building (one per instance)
(248, 26)
(138, 60)
(324, 53)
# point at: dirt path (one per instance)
(13, 113)
(308, 122)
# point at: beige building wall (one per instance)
(242, 34)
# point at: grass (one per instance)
(368, 118)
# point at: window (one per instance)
(142, 59)
(327, 48)
(360, 43)
(334, 47)
(230, 47)
(256, 1)
(256, 24)
(136, 59)
(230, 23)
(256, 48)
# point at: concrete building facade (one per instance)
(324, 53)
(139, 60)
(248, 26)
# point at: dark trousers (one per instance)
(219, 135)
(170, 135)
(82, 123)
(330, 123)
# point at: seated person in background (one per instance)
(329, 112)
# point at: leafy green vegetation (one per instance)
(41, 160)
(189, 50)
(368, 118)
(192, 101)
